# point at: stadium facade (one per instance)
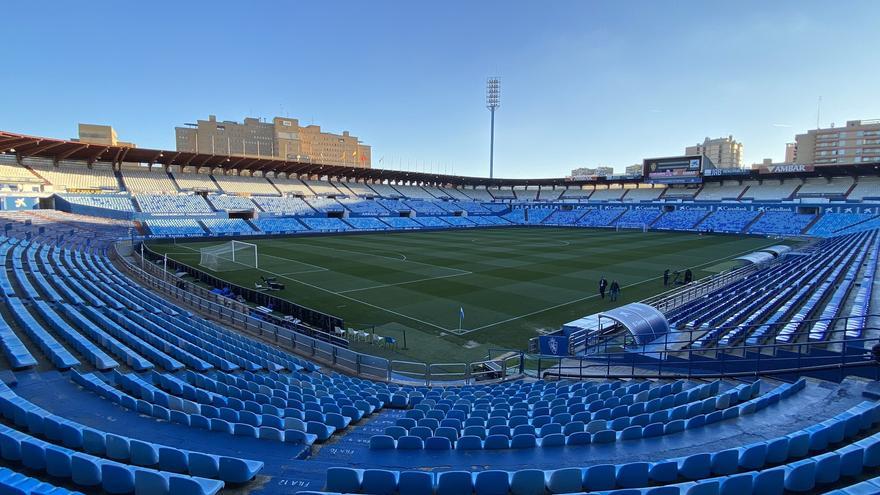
(283, 138)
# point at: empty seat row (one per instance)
(73, 435)
(682, 418)
(803, 454)
(187, 413)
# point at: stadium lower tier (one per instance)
(794, 300)
(760, 437)
(109, 387)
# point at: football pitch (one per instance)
(511, 283)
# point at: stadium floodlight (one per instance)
(493, 101)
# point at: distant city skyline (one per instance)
(585, 83)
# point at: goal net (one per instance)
(632, 226)
(233, 255)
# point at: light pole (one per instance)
(493, 101)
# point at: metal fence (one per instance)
(669, 300)
(851, 356)
(679, 342)
(310, 316)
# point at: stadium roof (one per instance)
(59, 149)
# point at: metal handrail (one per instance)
(695, 332)
(699, 363)
(551, 373)
(729, 349)
(672, 299)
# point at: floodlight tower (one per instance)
(493, 101)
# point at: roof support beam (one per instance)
(74, 149)
(94, 157)
(7, 144)
(41, 147)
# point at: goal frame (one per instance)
(631, 226)
(256, 249)
(230, 252)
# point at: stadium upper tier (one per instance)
(35, 176)
(159, 199)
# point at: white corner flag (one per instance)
(460, 316)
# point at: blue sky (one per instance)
(583, 83)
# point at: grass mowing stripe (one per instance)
(402, 257)
(349, 297)
(521, 281)
(708, 263)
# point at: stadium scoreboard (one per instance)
(676, 169)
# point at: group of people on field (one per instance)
(614, 289)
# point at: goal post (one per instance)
(631, 226)
(232, 255)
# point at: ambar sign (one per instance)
(786, 169)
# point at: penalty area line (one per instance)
(405, 283)
(350, 298)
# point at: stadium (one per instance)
(206, 321)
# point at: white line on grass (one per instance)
(534, 242)
(554, 307)
(318, 267)
(347, 297)
(392, 258)
(404, 283)
(304, 271)
(462, 332)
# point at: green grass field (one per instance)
(512, 283)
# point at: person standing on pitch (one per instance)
(615, 290)
(666, 278)
(603, 284)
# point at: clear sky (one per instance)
(583, 83)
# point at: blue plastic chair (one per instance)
(454, 483)
(415, 483)
(379, 482)
(469, 442)
(410, 442)
(492, 482)
(344, 480)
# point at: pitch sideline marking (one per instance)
(319, 268)
(463, 332)
(405, 283)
